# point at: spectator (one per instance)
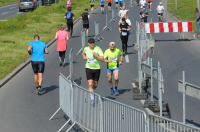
(69, 5)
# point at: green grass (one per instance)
(185, 10)
(7, 2)
(16, 33)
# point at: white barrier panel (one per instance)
(87, 112)
(65, 95)
(161, 124)
(118, 117)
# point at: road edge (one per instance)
(23, 65)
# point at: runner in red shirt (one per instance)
(109, 4)
(150, 4)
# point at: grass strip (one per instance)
(16, 33)
(185, 10)
(7, 2)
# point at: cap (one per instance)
(112, 44)
(91, 40)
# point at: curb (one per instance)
(23, 65)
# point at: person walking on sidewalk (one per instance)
(37, 49)
(92, 54)
(85, 18)
(124, 28)
(197, 13)
(69, 16)
(62, 38)
(113, 57)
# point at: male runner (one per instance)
(92, 54)
(37, 49)
(113, 57)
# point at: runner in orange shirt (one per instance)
(62, 37)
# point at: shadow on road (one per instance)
(48, 89)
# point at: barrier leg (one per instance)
(55, 113)
(70, 127)
(79, 51)
(64, 125)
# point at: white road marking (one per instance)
(4, 13)
(126, 58)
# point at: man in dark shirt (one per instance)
(85, 19)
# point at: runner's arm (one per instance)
(98, 57)
(29, 50)
(46, 51)
(84, 56)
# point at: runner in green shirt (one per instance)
(92, 54)
(113, 57)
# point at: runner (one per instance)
(121, 4)
(37, 49)
(69, 16)
(124, 29)
(150, 4)
(92, 4)
(109, 4)
(102, 3)
(160, 10)
(113, 57)
(85, 19)
(122, 12)
(142, 3)
(116, 4)
(62, 37)
(92, 54)
(144, 15)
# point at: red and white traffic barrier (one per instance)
(168, 27)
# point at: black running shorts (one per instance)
(109, 4)
(93, 74)
(38, 67)
(102, 5)
(86, 26)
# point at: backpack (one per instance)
(69, 15)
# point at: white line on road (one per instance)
(126, 58)
(4, 13)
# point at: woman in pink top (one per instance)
(62, 37)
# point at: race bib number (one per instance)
(114, 59)
(124, 33)
(92, 61)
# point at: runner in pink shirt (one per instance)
(62, 38)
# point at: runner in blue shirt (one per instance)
(37, 49)
(102, 3)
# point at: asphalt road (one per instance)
(9, 11)
(21, 110)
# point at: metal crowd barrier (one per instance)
(161, 124)
(106, 115)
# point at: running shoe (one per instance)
(112, 91)
(116, 92)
